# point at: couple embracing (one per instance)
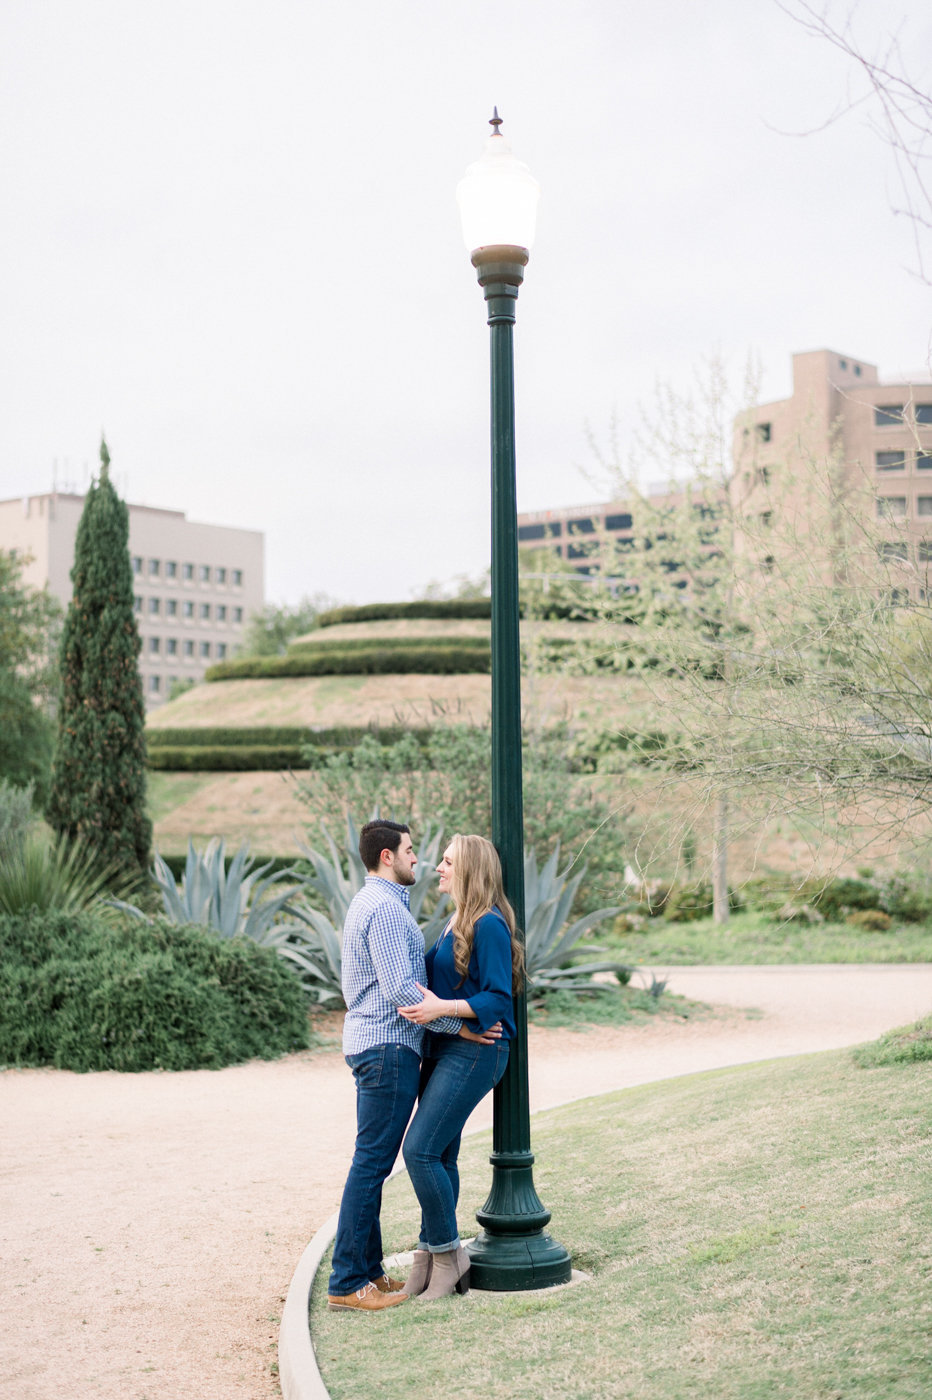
(432, 1031)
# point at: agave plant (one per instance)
(551, 941)
(57, 874)
(240, 902)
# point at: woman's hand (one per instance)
(489, 1037)
(430, 1009)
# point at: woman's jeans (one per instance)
(456, 1075)
(386, 1087)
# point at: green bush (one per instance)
(338, 661)
(686, 903)
(208, 758)
(837, 897)
(16, 817)
(324, 646)
(83, 994)
(873, 920)
(382, 612)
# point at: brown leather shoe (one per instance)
(367, 1299)
(386, 1284)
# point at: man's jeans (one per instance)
(386, 1088)
(456, 1075)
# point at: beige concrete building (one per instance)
(843, 441)
(844, 432)
(195, 585)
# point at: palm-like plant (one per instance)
(551, 941)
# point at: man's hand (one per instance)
(488, 1037)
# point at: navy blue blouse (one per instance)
(487, 987)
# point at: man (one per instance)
(383, 960)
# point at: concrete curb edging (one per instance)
(298, 1373)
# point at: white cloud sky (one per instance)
(230, 238)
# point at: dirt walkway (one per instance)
(151, 1223)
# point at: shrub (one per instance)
(873, 920)
(376, 661)
(317, 646)
(237, 758)
(686, 903)
(381, 612)
(59, 874)
(80, 994)
(15, 818)
(843, 894)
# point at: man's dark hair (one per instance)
(379, 836)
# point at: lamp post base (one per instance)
(511, 1252)
(501, 1265)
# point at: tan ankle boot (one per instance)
(449, 1274)
(419, 1276)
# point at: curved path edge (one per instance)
(298, 1372)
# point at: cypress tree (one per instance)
(99, 777)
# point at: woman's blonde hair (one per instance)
(476, 888)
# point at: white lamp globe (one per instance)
(498, 197)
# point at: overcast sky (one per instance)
(230, 238)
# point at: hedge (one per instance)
(396, 660)
(358, 644)
(382, 612)
(281, 735)
(83, 994)
(232, 758)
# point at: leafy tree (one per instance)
(270, 631)
(99, 781)
(29, 620)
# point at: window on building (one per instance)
(155, 684)
(237, 578)
(842, 364)
(924, 505)
(764, 431)
(890, 507)
(137, 605)
(579, 551)
(203, 573)
(189, 648)
(925, 551)
(205, 611)
(221, 575)
(554, 529)
(221, 612)
(766, 519)
(892, 549)
(155, 568)
(888, 415)
(171, 607)
(205, 649)
(857, 369)
(584, 526)
(890, 461)
(155, 645)
(154, 606)
(237, 614)
(188, 608)
(171, 568)
(171, 646)
(618, 522)
(923, 461)
(221, 651)
(137, 564)
(923, 412)
(187, 571)
(531, 532)
(762, 476)
(767, 564)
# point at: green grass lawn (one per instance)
(748, 1233)
(755, 938)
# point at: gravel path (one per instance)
(151, 1222)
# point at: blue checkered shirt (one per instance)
(383, 958)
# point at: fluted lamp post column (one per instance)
(498, 204)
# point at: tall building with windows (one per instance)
(875, 436)
(195, 585)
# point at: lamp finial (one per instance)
(495, 122)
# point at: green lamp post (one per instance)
(498, 204)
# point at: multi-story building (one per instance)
(195, 585)
(842, 436)
(844, 431)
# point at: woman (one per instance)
(472, 970)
